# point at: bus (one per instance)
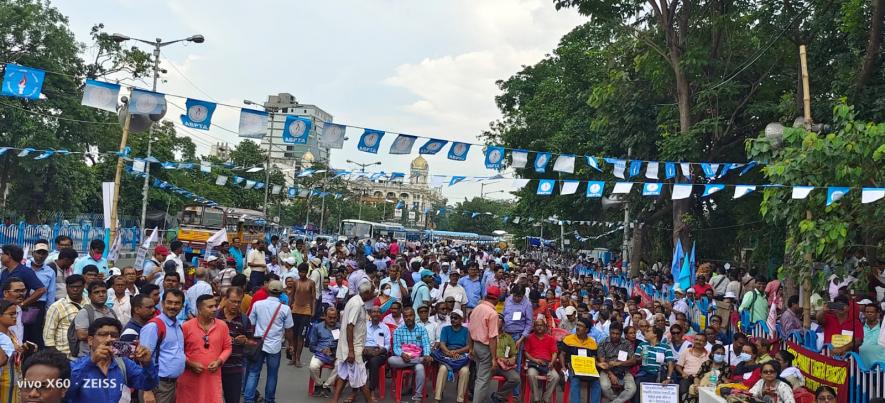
(367, 229)
(198, 222)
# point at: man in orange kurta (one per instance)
(207, 344)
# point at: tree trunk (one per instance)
(638, 249)
(683, 101)
(873, 45)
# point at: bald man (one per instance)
(200, 287)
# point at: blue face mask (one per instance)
(718, 358)
(744, 357)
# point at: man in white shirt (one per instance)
(719, 282)
(200, 287)
(398, 286)
(454, 290)
(257, 265)
(273, 320)
(176, 248)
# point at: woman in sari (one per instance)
(10, 352)
(385, 300)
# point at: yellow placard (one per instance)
(840, 340)
(584, 366)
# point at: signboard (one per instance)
(584, 366)
(819, 369)
(139, 257)
(411, 216)
(658, 393)
(398, 213)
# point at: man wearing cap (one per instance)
(454, 290)
(452, 356)
(44, 273)
(421, 291)
(272, 321)
(483, 328)
(570, 321)
(153, 268)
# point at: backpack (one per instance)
(73, 341)
(161, 334)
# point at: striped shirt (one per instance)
(649, 356)
(59, 318)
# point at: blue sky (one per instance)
(419, 67)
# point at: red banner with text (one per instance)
(819, 369)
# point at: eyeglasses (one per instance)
(206, 341)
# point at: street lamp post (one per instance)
(362, 191)
(157, 44)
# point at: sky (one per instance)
(426, 68)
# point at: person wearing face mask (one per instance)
(95, 257)
(747, 366)
(713, 372)
(386, 299)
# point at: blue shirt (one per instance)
(46, 276)
(89, 384)
(171, 351)
(523, 326)
(185, 307)
(453, 339)
(26, 274)
(320, 337)
(473, 288)
(416, 335)
(87, 260)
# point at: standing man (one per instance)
(142, 312)
(238, 327)
(61, 314)
(164, 337)
(12, 267)
(349, 356)
(257, 265)
(483, 328)
(177, 249)
(62, 266)
(61, 242)
(454, 290)
(36, 313)
(472, 287)
(97, 308)
(200, 287)
(272, 321)
(207, 345)
(95, 257)
(153, 268)
(411, 349)
(303, 305)
(755, 302)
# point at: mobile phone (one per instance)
(123, 348)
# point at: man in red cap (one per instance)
(483, 330)
(153, 268)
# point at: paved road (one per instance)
(292, 386)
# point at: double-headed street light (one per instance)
(271, 110)
(363, 169)
(157, 44)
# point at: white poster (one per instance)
(411, 216)
(107, 194)
(658, 393)
(398, 213)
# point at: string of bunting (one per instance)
(26, 82)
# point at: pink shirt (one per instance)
(483, 323)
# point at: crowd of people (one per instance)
(484, 318)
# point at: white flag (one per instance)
(681, 191)
(333, 135)
(869, 195)
(138, 165)
(276, 189)
(651, 170)
(520, 158)
(114, 252)
(622, 187)
(221, 180)
(205, 166)
(564, 163)
(151, 239)
(569, 187)
(216, 239)
(686, 169)
(801, 192)
(519, 183)
(742, 190)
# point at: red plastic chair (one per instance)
(527, 389)
(382, 380)
(500, 379)
(311, 384)
(400, 375)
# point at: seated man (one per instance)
(377, 346)
(411, 349)
(581, 344)
(615, 356)
(452, 355)
(322, 341)
(540, 354)
(506, 360)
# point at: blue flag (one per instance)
(835, 193)
(494, 157)
(22, 82)
(676, 264)
(541, 160)
(296, 130)
(370, 140)
(458, 151)
(692, 263)
(100, 95)
(146, 102)
(199, 114)
(670, 170)
(651, 189)
(710, 170)
(432, 146)
(593, 163)
(685, 274)
(635, 167)
(595, 188)
(545, 187)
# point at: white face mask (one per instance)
(387, 292)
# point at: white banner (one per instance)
(107, 194)
(398, 213)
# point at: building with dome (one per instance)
(413, 190)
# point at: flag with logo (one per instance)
(432, 146)
(198, 114)
(22, 82)
(100, 95)
(296, 130)
(403, 144)
(458, 151)
(370, 140)
(333, 135)
(494, 157)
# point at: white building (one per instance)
(289, 157)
